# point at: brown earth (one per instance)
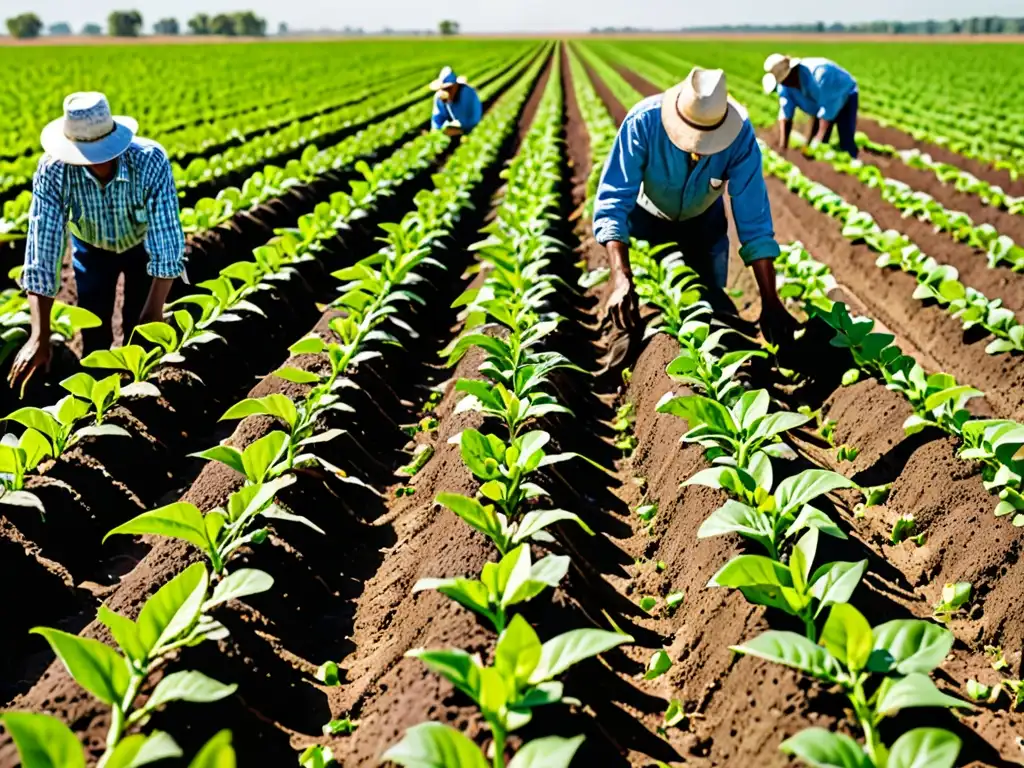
(944, 493)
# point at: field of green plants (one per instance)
(370, 495)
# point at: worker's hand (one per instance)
(777, 325)
(452, 130)
(151, 315)
(37, 353)
(622, 303)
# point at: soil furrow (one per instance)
(745, 708)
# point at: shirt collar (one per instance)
(122, 169)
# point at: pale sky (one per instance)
(517, 15)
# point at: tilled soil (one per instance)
(346, 596)
(963, 541)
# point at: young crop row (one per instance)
(899, 100)
(938, 399)
(362, 90)
(514, 392)
(882, 669)
(179, 615)
(273, 181)
(938, 282)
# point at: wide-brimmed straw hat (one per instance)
(87, 133)
(776, 69)
(446, 79)
(698, 114)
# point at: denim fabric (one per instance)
(96, 274)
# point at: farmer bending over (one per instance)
(457, 107)
(114, 193)
(819, 87)
(663, 182)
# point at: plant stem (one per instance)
(119, 716)
(872, 741)
(499, 747)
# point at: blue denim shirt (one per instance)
(643, 153)
(466, 109)
(824, 89)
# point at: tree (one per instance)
(92, 28)
(166, 26)
(282, 28)
(25, 26)
(199, 24)
(449, 27)
(124, 23)
(249, 24)
(223, 24)
(60, 28)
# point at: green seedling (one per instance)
(673, 601)
(421, 455)
(954, 598)
(675, 714)
(648, 603)
(895, 658)
(328, 673)
(847, 453)
(987, 694)
(343, 726)
(102, 394)
(659, 664)
(441, 746)
(511, 581)
(998, 660)
(903, 529)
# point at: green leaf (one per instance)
(188, 686)
(569, 648)
(296, 375)
(216, 753)
(915, 690)
(912, 645)
(458, 667)
(925, 748)
(819, 748)
(180, 520)
(791, 650)
(534, 522)
(794, 492)
(549, 752)
(43, 741)
(752, 571)
(847, 636)
(239, 584)
(140, 749)
(174, 608)
(271, 405)
(518, 651)
(95, 666)
(659, 664)
(433, 745)
(125, 633)
(479, 516)
(835, 582)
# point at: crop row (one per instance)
(373, 292)
(882, 669)
(901, 100)
(264, 185)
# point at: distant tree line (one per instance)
(976, 25)
(129, 24)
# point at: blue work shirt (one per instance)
(644, 154)
(139, 205)
(466, 109)
(824, 89)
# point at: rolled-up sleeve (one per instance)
(439, 115)
(47, 231)
(834, 87)
(749, 199)
(165, 240)
(620, 182)
(787, 107)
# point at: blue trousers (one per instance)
(703, 240)
(96, 274)
(846, 124)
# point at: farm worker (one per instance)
(819, 87)
(457, 107)
(114, 195)
(664, 181)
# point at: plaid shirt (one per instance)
(139, 205)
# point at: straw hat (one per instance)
(88, 133)
(698, 114)
(446, 79)
(777, 68)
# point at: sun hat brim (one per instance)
(696, 140)
(769, 83)
(113, 145)
(437, 85)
